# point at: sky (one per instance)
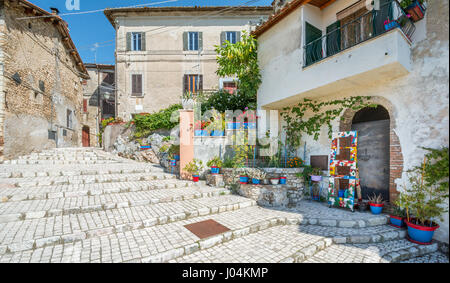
(93, 34)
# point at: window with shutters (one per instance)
(193, 39)
(231, 36)
(136, 41)
(193, 83)
(136, 85)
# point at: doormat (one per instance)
(206, 228)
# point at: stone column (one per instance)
(186, 140)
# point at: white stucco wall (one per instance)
(419, 98)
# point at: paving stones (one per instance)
(85, 205)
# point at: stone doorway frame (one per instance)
(395, 150)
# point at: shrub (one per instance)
(194, 167)
(146, 124)
(216, 161)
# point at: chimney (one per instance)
(54, 10)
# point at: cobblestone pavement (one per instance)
(85, 205)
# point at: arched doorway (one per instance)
(373, 126)
(86, 140)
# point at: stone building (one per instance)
(327, 50)
(40, 81)
(162, 53)
(98, 101)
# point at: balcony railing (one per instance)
(370, 25)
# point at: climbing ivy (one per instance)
(297, 124)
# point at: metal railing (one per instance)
(370, 25)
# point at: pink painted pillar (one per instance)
(186, 141)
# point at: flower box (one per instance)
(396, 221)
(255, 181)
(388, 25)
(216, 133)
(201, 133)
(195, 178)
(145, 147)
(233, 125)
(283, 180)
(416, 11)
(275, 181)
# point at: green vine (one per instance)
(297, 124)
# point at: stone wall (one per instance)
(49, 86)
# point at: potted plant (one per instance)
(283, 180)
(174, 152)
(200, 128)
(274, 181)
(217, 126)
(243, 177)
(426, 196)
(376, 203)
(397, 216)
(415, 8)
(256, 175)
(316, 175)
(194, 168)
(315, 192)
(215, 164)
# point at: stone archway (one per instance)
(395, 151)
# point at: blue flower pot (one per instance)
(249, 125)
(421, 234)
(233, 125)
(391, 25)
(243, 179)
(255, 181)
(217, 133)
(283, 180)
(215, 170)
(341, 194)
(177, 157)
(173, 162)
(396, 221)
(376, 208)
(201, 133)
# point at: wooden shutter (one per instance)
(333, 38)
(143, 45)
(185, 41)
(313, 50)
(186, 83)
(223, 37)
(136, 81)
(129, 38)
(84, 105)
(200, 82)
(200, 41)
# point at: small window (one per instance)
(136, 41)
(231, 36)
(193, 83)
(42, 86)
(69, 119)
(230, 87)
(193, 41)
(136, 85)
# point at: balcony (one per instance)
(372, 24)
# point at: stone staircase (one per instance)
(85, 205)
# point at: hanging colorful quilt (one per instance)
(343, 167)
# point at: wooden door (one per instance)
(85, 137)
(373, 157)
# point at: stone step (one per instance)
(237, 213)
(86, 179)
(385, 252)
(30, 209)
(47, 172)
(435, 257)
(51, 192)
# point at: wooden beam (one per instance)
(327, 4)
